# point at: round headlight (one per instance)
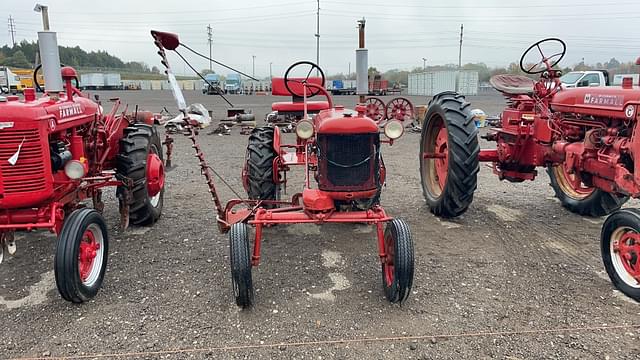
(74, 169)
(393, 129)
(304, 129)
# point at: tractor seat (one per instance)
(278, 88)
(289, 106)
(512, 84)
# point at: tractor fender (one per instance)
(276, 140)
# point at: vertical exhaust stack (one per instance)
(50, 57)
(362, 64)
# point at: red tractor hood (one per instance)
(597, 101)
(344, 121)
(65, 113)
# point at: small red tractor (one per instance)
(340, 149)
(59, 150)
(588, 139)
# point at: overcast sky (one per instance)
(399, 33)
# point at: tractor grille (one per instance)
(28, 174)
(348, 162)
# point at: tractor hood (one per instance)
(344, 121)
(611, 101)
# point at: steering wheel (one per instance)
(547, 63)
(287, 79)
(37, 84)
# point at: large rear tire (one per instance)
(449, 151)
(260, 184)
(620, 246)
(579, 198)
(140, 159)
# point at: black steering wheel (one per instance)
(547, 62)
(37, 84)
(305, 80)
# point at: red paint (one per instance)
(628, 248)
(316, 200)
(155, 174)
(167, 40)
(87, 254)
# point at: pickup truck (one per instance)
(591, 78)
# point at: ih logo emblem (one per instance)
(629, 111)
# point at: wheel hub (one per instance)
(627, 249)
(86, 254)
(155, 174)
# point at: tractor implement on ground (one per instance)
(587, 138)
(339, 148)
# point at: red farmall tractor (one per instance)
(59, 150)
(588, 139)
(340, 149)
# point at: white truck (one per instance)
(590, 78)
(9, 82)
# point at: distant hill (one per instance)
(23, 55)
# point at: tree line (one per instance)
(23, 55)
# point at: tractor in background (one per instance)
(59, 151)
(587, 138)
(339, 149)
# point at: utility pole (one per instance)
(349, 73)
(318, 37)
(424, 64)
(460, 51)
(210, 36)
(253, 74)
(12, 30)
(270, 72)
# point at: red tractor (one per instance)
(587, 138)
(340, 149)
(58, 151)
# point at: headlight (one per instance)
(304, 129)
(74, 169)
(393, 129)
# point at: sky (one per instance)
(399, 33)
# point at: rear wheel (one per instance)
(397, 266)
(81, 255)
(240, 255)
(140, 159)
(260, 184)
(449, 151)
(580, 198)
(620, 246)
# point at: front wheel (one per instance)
(620, 246)
(397, 266)
(81, 255)
(579, 198)
(240, 255)
(449, 151)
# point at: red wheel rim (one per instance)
(389, 260)
(400, 109)
(435, 157)
(625, 255)
(87, 252)
(155, 174)
(571, 184)
(375, 109)
(442, 161)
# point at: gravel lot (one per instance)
(517, 277)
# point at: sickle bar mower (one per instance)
(337, 147)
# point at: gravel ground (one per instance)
(516, 277)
